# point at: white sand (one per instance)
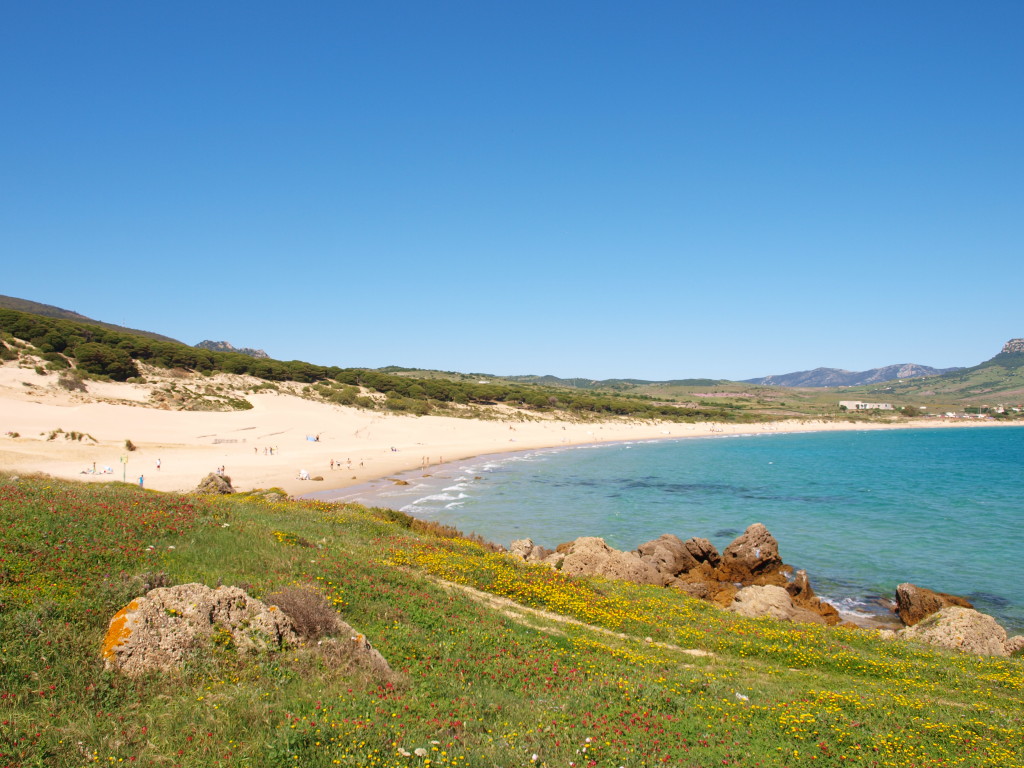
(365, 445)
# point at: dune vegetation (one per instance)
(496, 662)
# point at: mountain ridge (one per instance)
(838, 377)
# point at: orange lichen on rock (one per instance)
(118, 632)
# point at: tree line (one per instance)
(115, 355)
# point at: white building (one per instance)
(857, 405)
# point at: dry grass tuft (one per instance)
(310, 612)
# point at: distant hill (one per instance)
(223, 346)
(47, 310)
(608, 384)
(836, 377)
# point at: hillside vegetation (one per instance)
(498, 663)
(115, 355)
(118, 354)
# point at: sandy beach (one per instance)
(283, 435)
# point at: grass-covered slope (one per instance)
(482, 683)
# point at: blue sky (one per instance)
(649, 190)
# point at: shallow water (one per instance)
(861, 511)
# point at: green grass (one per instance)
(482, 682)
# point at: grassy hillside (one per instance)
(482, 682)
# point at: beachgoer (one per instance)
(332, 465)
(142, 479)
(158, 463)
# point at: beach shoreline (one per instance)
(86, 436)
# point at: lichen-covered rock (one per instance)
(961, 629)
(156, 631)
(214, 483)
(914, 603)
(591, 556)
(753, 555)
(773, 601)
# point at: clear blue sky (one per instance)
(652, 190)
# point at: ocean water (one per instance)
(860, 511)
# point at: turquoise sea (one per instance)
(861, 511)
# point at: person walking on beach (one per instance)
(158, 463)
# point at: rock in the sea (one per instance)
(214, 483)
(960, 629)
(914, 603)
(590, 556)
(154, 632)
(773, 601)
(753, 556)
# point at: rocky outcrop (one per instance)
(773, 601)
(156, 631)
(963, 629)
(753, 558)
(1013, 346)
(915, 603)
(590, 556)
(224, 346)
(693, 566)
(214, 483)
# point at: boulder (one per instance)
(702, 551)
(667, 553)
(156, 631)
(591, 556)
(961, 629)
(528, 551)
(1014, 644)
(214, 483)
(521, 548)
(915, 603)
(672, 556)
(754, 555)
(773, 601)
